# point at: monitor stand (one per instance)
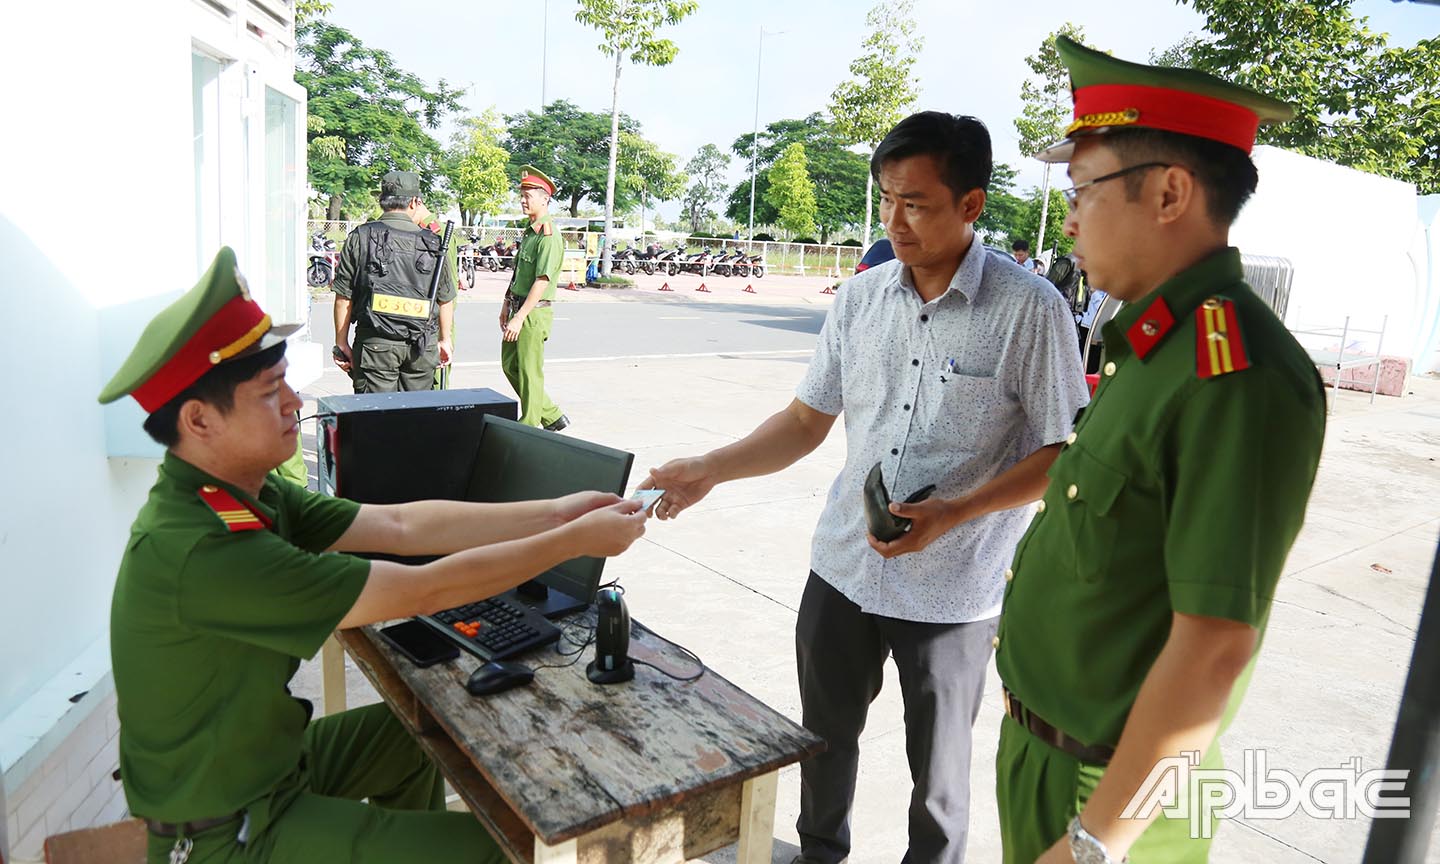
(547, 601)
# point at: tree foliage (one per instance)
(792, 192)
(1027, 223)
(883, 89)
(628, 29)
(572, 147)
(1358, 100)
(476, 166)
(1046, 95)
(999, 222)
(838, 173)
(373, 115)
(707, 169)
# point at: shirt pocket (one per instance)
(965, 410)
(1088, 490)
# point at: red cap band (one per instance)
(1162, 108)
(239, 324)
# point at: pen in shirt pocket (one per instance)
(948, 367)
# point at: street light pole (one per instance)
(755, 135)
(544, 53)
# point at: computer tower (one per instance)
(386, 448)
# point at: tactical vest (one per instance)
(393, 295)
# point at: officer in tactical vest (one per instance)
(382, 284)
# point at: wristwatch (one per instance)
(1085, 848)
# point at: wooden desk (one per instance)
(562, 770)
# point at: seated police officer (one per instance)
(232, 575)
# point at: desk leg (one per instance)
(564, 853)
(332, 677)
(757, 819)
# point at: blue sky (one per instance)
(972, 62)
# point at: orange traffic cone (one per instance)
(666, 287)
(571, 287)
(750, 289)
(702, 289)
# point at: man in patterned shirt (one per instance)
(955, 367)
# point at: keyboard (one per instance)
(494, 629)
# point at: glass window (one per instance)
(205, 90)
(283, 203)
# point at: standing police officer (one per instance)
(525, 313)
(231, 576)
(382, 283)
(1137, 600)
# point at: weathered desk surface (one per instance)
(564, 770)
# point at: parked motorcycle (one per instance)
(324, 258)
(669, 260)
(756, 264)
(468, 255)
(624, 259)
(697, 263)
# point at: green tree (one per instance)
(999, 223)
(627, 28)
(839, 174)
(707, 167)
(1027, 223)
(647, 175)
(305, 10)
(1046, 112)
(1358, 101)
(372, 113)
(792, 192)
(882, 90)
(572, 147)
(476, 167)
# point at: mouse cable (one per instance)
(567, 634)
(700, 664)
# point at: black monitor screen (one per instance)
(515, 462)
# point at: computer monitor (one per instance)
(515, 462)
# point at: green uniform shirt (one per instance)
(1176, 493)
(352, 261)
(540, 255)
(207, 626)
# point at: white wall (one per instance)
(1356, 242)
(99, 133)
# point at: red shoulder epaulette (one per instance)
(1219, 345)
(235, 515)
(547, 229)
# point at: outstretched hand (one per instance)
(608, 531)
(685, 481)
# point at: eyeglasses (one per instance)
(1073, 192)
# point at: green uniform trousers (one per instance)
(363, 753)
(523, 362)
(387, 366)
(1040, 789)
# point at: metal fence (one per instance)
(796, 259)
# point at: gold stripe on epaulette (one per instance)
(1127, 117)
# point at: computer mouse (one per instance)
(497, 677)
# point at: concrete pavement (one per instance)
(725, 581)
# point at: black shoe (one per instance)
(557, 424)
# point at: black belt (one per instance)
(516, 300)
(1096, 754)
(176, 829)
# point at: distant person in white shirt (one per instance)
(1021, 250)
(954, 367)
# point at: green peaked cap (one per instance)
(1197, 103)
(212, 323)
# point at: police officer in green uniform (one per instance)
(382, 285)
(232, 575)
(525, 314)
(1136, 602)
